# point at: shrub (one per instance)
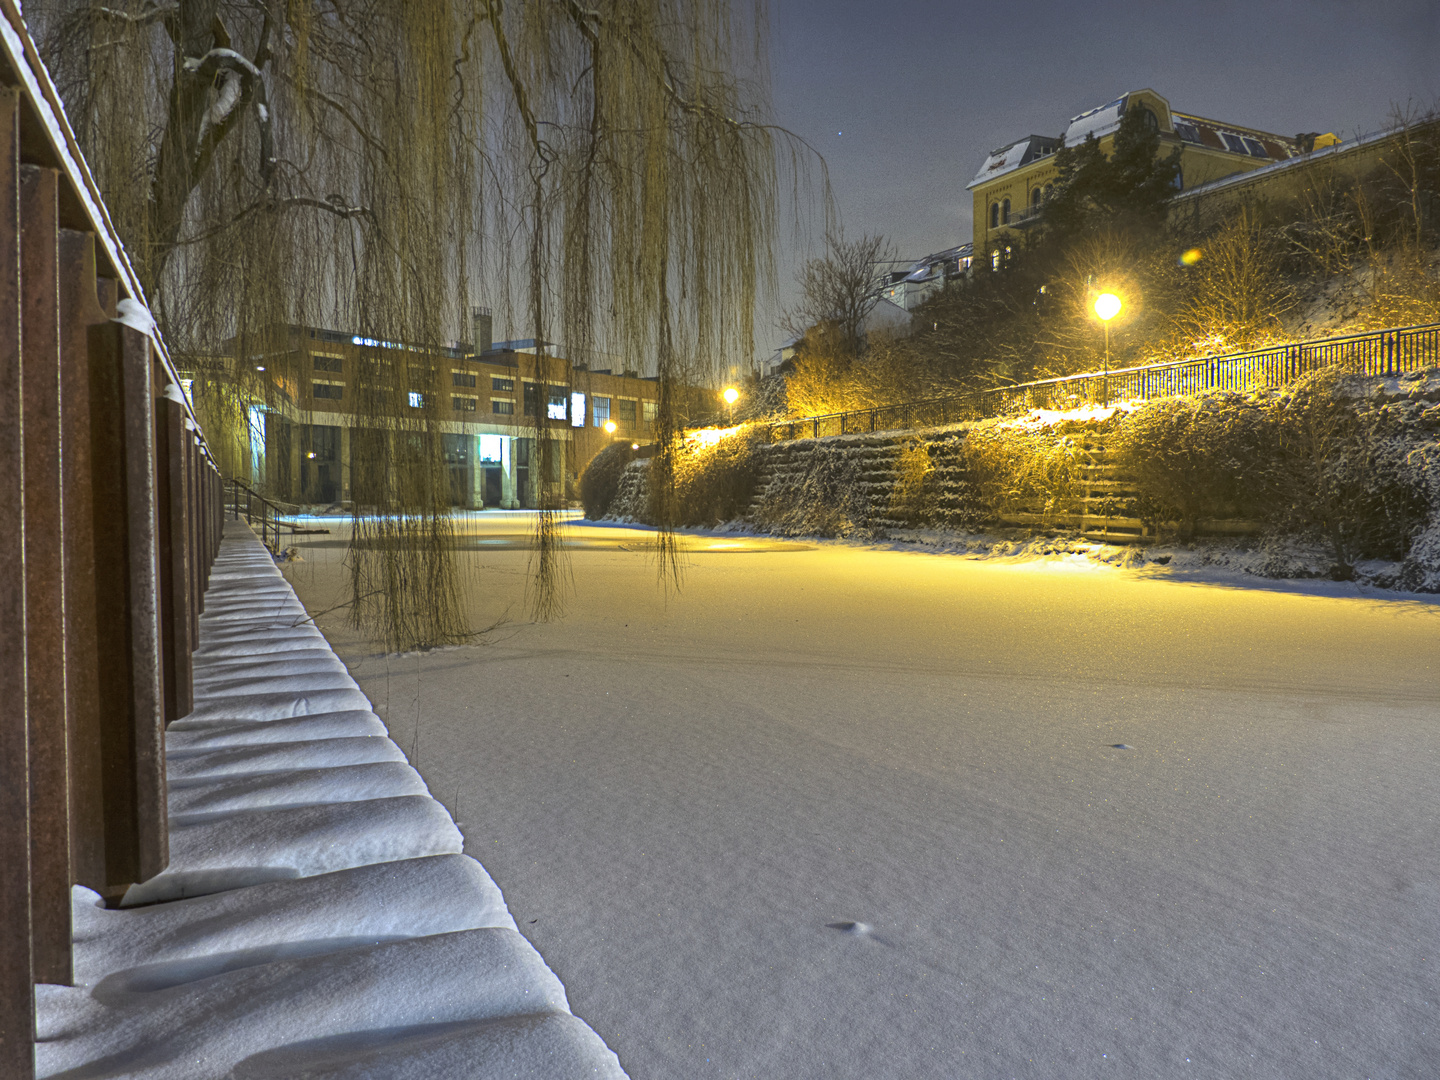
(1337, 470)
(601, 478)
(715, 481)
(1188, 457)
(1014, 469)
(912, 499)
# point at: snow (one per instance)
(1006, 159)
(1098, 122)
(694, 795)
(317, 916)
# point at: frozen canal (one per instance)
(846, 813)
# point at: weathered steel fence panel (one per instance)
(112, 519)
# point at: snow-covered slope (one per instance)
(317, 917)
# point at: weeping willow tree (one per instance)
(601, 172)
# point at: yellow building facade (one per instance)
(1013, 183)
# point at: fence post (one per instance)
(44, 576)
(17, 996)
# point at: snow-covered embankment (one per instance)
(317, 916)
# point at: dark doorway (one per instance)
(493, 487)
(320, 463)
(459, 467)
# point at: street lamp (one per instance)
(610, 427)
(1107, 306)
(731, 396)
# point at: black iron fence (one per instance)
(112, 516)
(1381, 352)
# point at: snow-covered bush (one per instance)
(1022, 468)
(1189, 456)
(1339, 470)
(632, 493)
(912, 500)
(601, 478)
(715, 478)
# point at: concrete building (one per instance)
(322, 389)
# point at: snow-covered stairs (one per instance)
(317, 917)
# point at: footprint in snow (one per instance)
(1120, 746)
(858, 929)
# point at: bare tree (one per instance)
(839, 290)
(603, 172)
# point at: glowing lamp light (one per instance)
(1191, 257)
(1107, 306)
(731, 395)
(610, 427)
(311, 454)
(634, 446)
(259, 367)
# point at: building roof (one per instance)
(1009, 158)
(1105, 120)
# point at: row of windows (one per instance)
(601, 408)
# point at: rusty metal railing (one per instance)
(112, 514)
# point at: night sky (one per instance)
(924, 89)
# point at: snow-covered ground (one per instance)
(317, 917)
(843, 811)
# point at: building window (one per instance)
(502, 408)
(555, 404)
(1005, 212)
(1035, 197)
(1233, 143)
(1049, 188)
(464, 404)
(506, 385)
(417, 399)
(995, 259)
(648, 412)
(1150, 120)
(328, 391)
(625, 411)
(994, 215)
(462, 378)
(1189, 132)
(1253, 148)
(600, 410)
(327, 362)
(577, 410)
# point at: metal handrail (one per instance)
(1380, 352)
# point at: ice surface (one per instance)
(681, 793)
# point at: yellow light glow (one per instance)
(731, 395)
(610, 426)
(634, 446)
(1191, 257)
(1107, 306)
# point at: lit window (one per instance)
(492, 447)
(648, 412)
(555, 405)
(599, 410)
(577, 410)
(417, 399)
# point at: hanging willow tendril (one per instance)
(602, 174)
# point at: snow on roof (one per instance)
(1006, 159)
(1098, 122)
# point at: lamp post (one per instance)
(1107, 306)
(731, 396)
